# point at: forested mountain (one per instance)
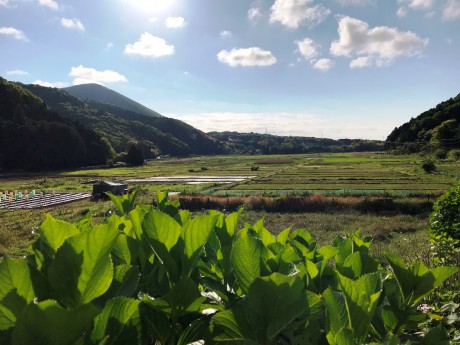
(254, 143)
(34, 138)
(435, 129)
(157, 135)
(105, 95)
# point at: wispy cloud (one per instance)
(49, 3)
(322, 64)
(283, 123)
(85, 75)
(57, 84)
(246, 57)
(451, 10)
(14, 33)
(72, 23)
(17, 72)
(225, 34)
(175, 22)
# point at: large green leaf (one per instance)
(124, 203)
(16, 290)
(231, 331)
(162, 232)
(274, 302)
(361, 297)
(195, 235)
(47, 323)
(82, 269)
(118, 323)
(417, 281)
(125, 281)
(183, 298)
(245, 259)
(337, 317)
(54, 232)
(266, 236)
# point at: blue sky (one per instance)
(334, 68)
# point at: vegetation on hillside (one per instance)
(105, 95)
(435, 131)
(156, 135)
(255, 143)
(156, 275)
(34, 138)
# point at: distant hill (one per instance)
(254, 143)
(435, 129)
(105, 95)
(34, 138)
(157, 135)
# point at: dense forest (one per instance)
(254, 143)
(34, 138)
(156, 134)
(436, 130)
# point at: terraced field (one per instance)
(351, 174)
(356, 174)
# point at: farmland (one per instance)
(345, 178)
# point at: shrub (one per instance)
(454, 155)
(445, 218)
(440, 154)
(429, 166)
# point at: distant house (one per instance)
(113, 187)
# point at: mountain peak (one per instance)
(100, 93)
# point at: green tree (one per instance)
(135, 154)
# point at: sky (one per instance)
(331, 69)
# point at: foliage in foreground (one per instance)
(445, 219)
(154, 275)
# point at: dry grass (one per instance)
(314, 203)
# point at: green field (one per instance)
(352, 175)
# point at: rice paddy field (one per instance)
(339, 177)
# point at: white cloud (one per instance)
(225, 34)
(175, 22)
(402, 12)
(150, 46)
(74, 24)
(307, 48)
(4, 3)
(85, 75)
(418, 4)
(57, 84)
(17, 72)
(273, 123)
(382, 43)
(361, 62)
(253, 56)
(356, 2)
(322, 64)
(153, 19)
(12, 32)
(293, 13)
(283, 123)
(49, 3)
(254, 14)
(451, 10)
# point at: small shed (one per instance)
(114, 187)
